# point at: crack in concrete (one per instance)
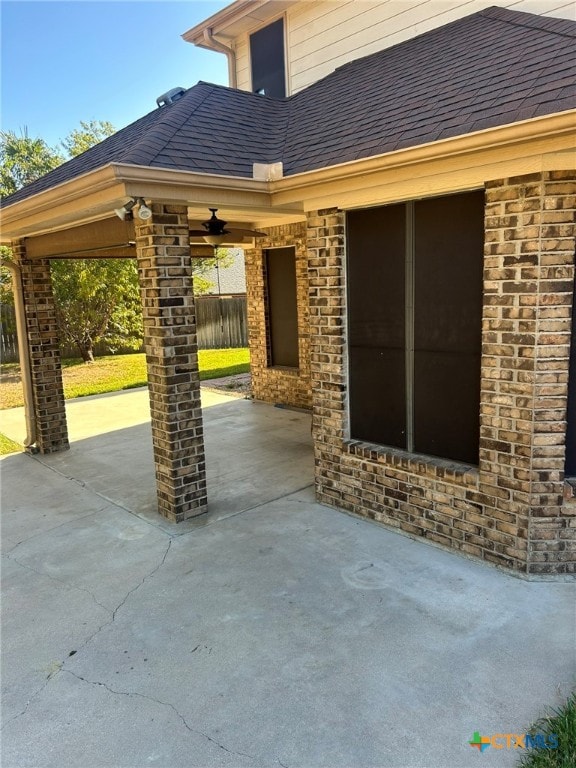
(55, 528)
(35, 695)
(59, 581)
(148, 576)
(164, 704)
(112, 613)
(123, 601)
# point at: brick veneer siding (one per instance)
(510, 510)
(165, 274)
(44, 352)
(289, 386)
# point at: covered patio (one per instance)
(255, 452)
(370, 345)
(285, 634)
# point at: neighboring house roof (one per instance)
(495, 67)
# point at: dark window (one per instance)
(282, 309)
(414, 313)
(267, 59)
(571, 427)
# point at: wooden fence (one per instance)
(221, 323)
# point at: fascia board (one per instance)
(548, 126)
(219, 21)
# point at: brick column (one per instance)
(165, 274)
(44, 352)
(328, 360)
(530, 283)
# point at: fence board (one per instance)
(221, 323)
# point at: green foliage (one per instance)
(97, 299)
(6, 295)
(561, 722)
(201, 268)
(90, 133)
(23, 160)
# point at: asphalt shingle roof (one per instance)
(492, 68)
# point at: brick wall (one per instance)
(510, 510)
(288, 386)
(44, 352)
(165, 275)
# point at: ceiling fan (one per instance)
(215, 232)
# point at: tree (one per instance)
(97, 299)
(201, 268)
(90, 133)
(23, 160)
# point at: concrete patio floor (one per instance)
(270, 632)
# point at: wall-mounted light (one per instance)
(144, 212)
(126, 213)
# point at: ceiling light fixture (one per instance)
(215, 232)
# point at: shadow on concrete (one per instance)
(255, 453)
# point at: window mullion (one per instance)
(409, 325)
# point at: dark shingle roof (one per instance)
(492, 68)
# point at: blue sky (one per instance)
(63, 62)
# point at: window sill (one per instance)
(570, 489)
(284, 369)
(414, 462)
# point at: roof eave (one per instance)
(538, 128)
(95, 194)
(236, 19)
(219, 21)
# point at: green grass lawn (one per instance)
(115, 372)
(8, 446)
(562, 723)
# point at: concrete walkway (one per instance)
(272, 632)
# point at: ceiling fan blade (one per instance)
(205, 232)
(248, 232)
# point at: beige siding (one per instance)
(324, 34)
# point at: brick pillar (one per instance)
(326, 256)
(165, 274)
(530, 238)
(44, 352)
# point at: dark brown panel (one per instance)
(571, 428)
(109, 233)
(376, 326)
(449, 237)
(267, 60)
(282, 306)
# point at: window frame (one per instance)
(409, 450)
(270, 332)
(282, 17)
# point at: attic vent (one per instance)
(170, 96)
